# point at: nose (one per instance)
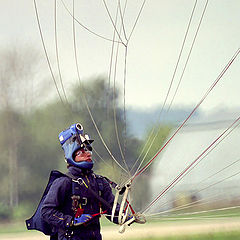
(86, 151)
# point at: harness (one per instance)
(36, 222)
(79, 201)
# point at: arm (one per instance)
(51, 210)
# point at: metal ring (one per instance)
(79, 181)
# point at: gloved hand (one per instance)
(128, 218)
(135, 218)
(82, 219)
(139, 218)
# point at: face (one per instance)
(83, 155)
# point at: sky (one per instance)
(152, 50)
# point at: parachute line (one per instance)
(109, 14)
(188, 168)
(188, 57)
(47, 57)
(122, 17)
(114, 106)
(56, 49)
(231, 164)
(136, 21)
(172, 79)
(204, 211)
(189, 116)
(83, 26)
(84, 96)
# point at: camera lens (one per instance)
(79, 126)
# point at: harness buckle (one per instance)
(79, 181)
(84, 203)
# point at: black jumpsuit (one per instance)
(57, 207)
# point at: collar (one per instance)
(75, 171)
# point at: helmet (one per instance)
(73, 139)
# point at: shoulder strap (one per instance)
(112, 184)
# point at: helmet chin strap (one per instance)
(85, 165)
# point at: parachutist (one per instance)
(73, 202)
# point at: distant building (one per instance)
(214, 180)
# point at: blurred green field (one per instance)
(207, 229)
(212, 236)
(234, 235)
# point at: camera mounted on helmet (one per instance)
(73, 139)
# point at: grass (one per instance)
(235, 235)
(19, 227)
(13, 227)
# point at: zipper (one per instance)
(87, 180)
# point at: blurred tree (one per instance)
(10, 122)
(17, 71)
(40, 152)
(155, 139)
(29, 141)
(103, 103)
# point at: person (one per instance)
(75, 201)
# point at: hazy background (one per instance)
(153, 48)
(32, 114)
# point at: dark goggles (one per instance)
(86, 145)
